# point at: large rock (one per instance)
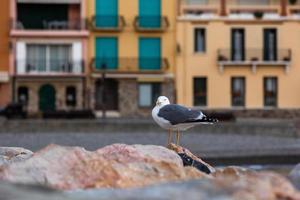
(13, 154)
(114, 166)
(204, 189)
(294, 176)
(255, 185)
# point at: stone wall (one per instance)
(128, 98)
(60, 88)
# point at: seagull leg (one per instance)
(169, 137)
(177, 137)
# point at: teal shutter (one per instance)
(106, 13)
(150, 13)
(106, 53)
(150, 53)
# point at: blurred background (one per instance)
(88, 73)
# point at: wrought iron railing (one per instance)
(130, 65)
(107, 23)
(254, 55)
(49, 25)
(151, 23)
(49, 66)
(201, 2)
(254, 3)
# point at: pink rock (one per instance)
(114, 166)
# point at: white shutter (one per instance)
(77, 57)
(21, 57)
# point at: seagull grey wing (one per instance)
(177, 114)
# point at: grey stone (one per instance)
(13, 154)
(192, 190)
(294, 176)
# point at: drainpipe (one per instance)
(103, 67)
(13, 89)
(223, 8)
(283, 8)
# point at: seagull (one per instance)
(174, 117)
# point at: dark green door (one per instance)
(47, 98)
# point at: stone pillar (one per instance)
(168, 90)
(128, 97)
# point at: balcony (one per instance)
(130, 65)
(107, 23)
(49, 19)
(48, 67)
(151, 23)
(53, 25)
(254, 58)
(245, 8)
(200, 7)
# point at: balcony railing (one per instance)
(54, 25)
(254, 57)
(254, 5)
(41, 66)
(107, 23)
(130, 65)
(196, 6)
(151, 23)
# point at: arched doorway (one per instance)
(47, 97)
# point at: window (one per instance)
(48, 58)
(238, 91)
(200, 40)
(200, 91)
(270, 44)
(270, 91)
(23, 95)
(71, 96)
(238, 44)
(148, 93)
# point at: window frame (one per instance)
(68, 104)
(48, 56)
(243, 91)
(196, 49)
(153, 97)
(206, 91)
(265, 90)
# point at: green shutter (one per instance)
(150, 53)
(106, 53)
(106, 13)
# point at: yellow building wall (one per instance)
(128, 38)
(218, 36)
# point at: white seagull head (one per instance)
(162, 101)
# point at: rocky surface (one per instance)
(294, 176)
(124, 172)
(114, 166)
(13, 154)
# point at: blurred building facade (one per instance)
(132, 54)
(4, 54)
(49, 49)
(238, 54)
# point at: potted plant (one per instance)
(258, 14)
(293, 2)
